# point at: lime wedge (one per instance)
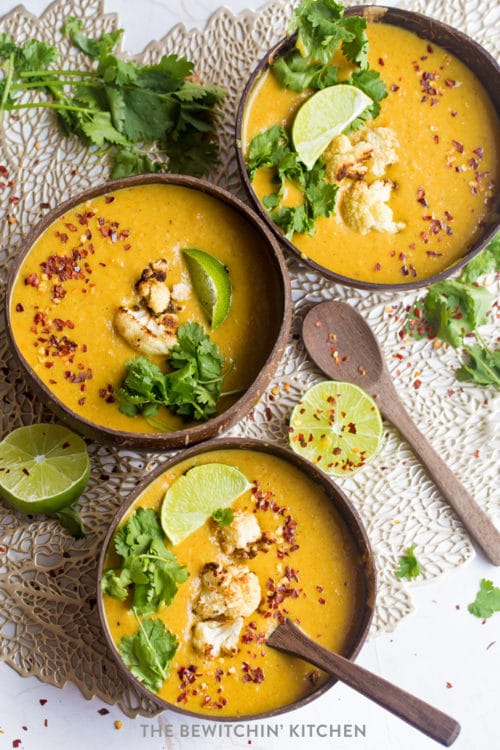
(194, 496)
(211, 283)
(337, 426)
(43, 468)
(323, 116)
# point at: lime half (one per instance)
(43, 468)
(323, 116)
(211, 283)
(195, 495)
(337, 426)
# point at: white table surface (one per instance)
(440, 652)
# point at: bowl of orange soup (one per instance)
(404, 191)
(208, 555)
(149, 312)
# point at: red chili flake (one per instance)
(127, 247)
(394, 87)
(103, 711)
(71, 227)
(16, 743)
(454, 113)
(449, 685)
(218, 674)
(377, 267)
(32, 280)
(479, 152)
(490, 645)
(19, 307)
(380, 61)
(430, 49)
(417, 383)
(109, 198)
(434, 102)
(322, 600)
(14, 200)
(458, 146)
(435, 138)
(476, 454)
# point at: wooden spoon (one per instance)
(429, 720)
(337, 327)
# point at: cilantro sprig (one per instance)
(192, 387)
(149, 570)
(149, 651)
(322, 29)
(409, 567)
(453, 309)
(487, 600)
(148, 118)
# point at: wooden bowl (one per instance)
(475, 57)
(353, 526)
(276, 329)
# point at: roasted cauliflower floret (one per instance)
(227, 591)
(364, 207)
(346, 159)
(243, 530)
(212, 637)
(384, 145)
(146, 333)
(152, 287)
(180, 292)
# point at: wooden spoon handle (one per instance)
(429, 720)
(476, 521)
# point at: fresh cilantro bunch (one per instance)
(149, 569)
(148, 652)
(272, 148)
(147, 118)
(453, 309)
(192, 387)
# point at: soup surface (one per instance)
(308, 569)
(445, 177)
(86, 266)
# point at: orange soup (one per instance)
(443, 172)
(91, 262)
(304, 563)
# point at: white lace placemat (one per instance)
(48, 619)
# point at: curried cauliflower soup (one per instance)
(288, 553)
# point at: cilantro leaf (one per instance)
(148, 566)
(71, 520)
(486, 261)
(148, 652)
(223, 516)
(320, 25)
(455, 309)
(487, 600)
(356, 48)
(299, 73)
(99, 129)
(191, 389)
(409, 567)
(481, 365)
(92, 47)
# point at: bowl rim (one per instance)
(345, 509)
(195, 432)
(450, 39)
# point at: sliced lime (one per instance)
(194, 496)
(323, 116)
(211, 283)
(337, 426)
(43, 468)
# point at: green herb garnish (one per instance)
(71, 520)
(148, 652)
(147, 118)
(223, 516)
(191, 389)
(149, 569)
(409, 567)
(454, 309)
(322, 29)
(487, 600)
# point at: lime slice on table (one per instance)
(195, 495)
(323, 116)
(211, 283)
(337, 426)
(43, 468)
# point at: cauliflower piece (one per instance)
(227, 591)
(181, 292)
(346, 159)
(384, 143)
(243, 530)
(364, 207)
(145, 332)
(212, 637)
(152, 287)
